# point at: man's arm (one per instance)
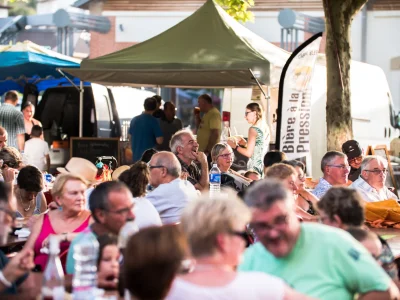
(21, 141)
(48, 163)
(203, 182)
(159, 140)
(212, 140)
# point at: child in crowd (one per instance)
(36, 150)
(108, 261)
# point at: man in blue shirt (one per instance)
(144, 130)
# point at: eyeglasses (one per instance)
(122, 211)
(247, 112)
(343, 167)
(155, 167)
(241, 234)
(279, 223)
(356, 159)
(377, 171)
(226, 156)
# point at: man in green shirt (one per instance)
(314, 259)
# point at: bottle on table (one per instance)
(84, 282)
(53, 275)
(215, 180)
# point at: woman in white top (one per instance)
(215, 229)
(137, 179)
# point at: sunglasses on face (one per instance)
(242, 234)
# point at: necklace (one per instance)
(20, 199)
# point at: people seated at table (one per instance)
(320, 261)
(288, 176)
(171, 194)
(273, 157)
(371, 183)
(14, 272)
(305, 200)
(335, 169)
(216, 232)
(341, 207)
(184, 145)
(155, 257)
(111, 206)
(36, 152)
(72, 217)
(222, 155)
(109, 257)
(136, 179)
(28, 193)
(354, 155)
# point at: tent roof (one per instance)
(209, 48)
(28, 60)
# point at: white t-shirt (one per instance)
(146, 214)
(246, 285)
(34, 153)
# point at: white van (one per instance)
(371, 110)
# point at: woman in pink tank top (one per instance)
(72, 217)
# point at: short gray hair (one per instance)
(329, 157)
(217, 149)
(169, 161)
(177, 140)
(264, 193)
(368, 159)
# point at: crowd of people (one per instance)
(266, 235)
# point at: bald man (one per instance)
(171, 194)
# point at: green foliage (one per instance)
(22, 7)
(238, 9)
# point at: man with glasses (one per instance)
(354, 155)
(171, 194)
(371, 183)
(111, 204)
(336, 169)
(320, 261)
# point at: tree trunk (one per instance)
(339, 15)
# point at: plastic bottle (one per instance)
(129, 229)
(84, 283)
(53, 276)
(215, 180)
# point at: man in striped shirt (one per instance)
(13, 121)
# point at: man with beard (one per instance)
(336, 169)
(371, 183)
(184, 145)
(354, 155)
(314, 259)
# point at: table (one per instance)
(13, 244)
(393, 241)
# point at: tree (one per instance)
(238, 9)
(21, 7)
(339, 14)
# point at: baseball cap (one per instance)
(352, 149)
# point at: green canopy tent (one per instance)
(207, 49)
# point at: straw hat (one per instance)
(81, 167)
(118, 171)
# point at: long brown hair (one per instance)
(136, 178)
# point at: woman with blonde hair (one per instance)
(258, 138)
(215, 230)
(69, 193)
(222, 155)
(288, 176)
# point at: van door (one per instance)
(103, 112)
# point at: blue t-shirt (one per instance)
(144, 130)
(326, 263)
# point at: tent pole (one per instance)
(70, 81)
(80, 108)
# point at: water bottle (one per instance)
(84, 283)
(129, 229)
(215, 180)
(53, 276)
